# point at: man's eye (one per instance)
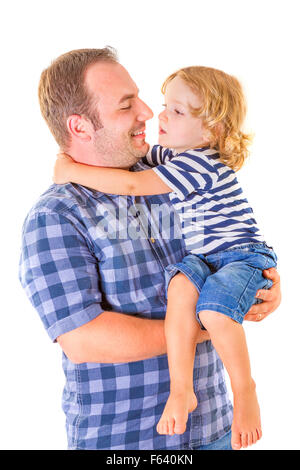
(178, 112)
(127, 107)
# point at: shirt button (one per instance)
(153, 240)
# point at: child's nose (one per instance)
(163, 115)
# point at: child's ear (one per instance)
(219, 129)
(79, 127)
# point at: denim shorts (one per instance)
(227, 281)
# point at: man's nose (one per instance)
(145, 112)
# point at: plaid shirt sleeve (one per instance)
(59, 272)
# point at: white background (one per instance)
(258, 41)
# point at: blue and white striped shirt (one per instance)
(213, 211)
(85, 252)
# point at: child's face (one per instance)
(178, 128)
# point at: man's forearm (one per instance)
(115, 337)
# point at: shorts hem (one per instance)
(228, 312)
(188, 272)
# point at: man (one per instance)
(95, 273)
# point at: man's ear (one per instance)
(79, 127)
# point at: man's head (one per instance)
(92, 108)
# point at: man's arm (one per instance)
(114, 337)
(117, 337)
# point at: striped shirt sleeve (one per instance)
(59, 273)
(187, 172)
(157, 155)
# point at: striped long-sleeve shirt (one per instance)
(213, 211)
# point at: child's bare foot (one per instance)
(246, 425)
(175, 415)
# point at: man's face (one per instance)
(120, 143)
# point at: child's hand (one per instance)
(62, 168)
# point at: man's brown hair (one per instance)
(62, 91)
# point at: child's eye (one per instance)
(175, 110)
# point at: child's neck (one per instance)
(182, 150)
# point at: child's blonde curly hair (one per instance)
(223, 111)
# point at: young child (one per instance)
(219, 277)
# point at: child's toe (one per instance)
(171, 426)
(165, 427)
(179, 427)
(162, 427)
(236, 440)
(159, 428)
(244, 439)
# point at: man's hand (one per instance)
(271, 298)
(62, 169)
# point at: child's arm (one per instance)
(157, 155)
(108, 180)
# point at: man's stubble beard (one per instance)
(115, 152)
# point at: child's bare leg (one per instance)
(181, 330)
(228, 338)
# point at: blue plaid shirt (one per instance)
(81, 257)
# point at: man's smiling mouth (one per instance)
(139, 134)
